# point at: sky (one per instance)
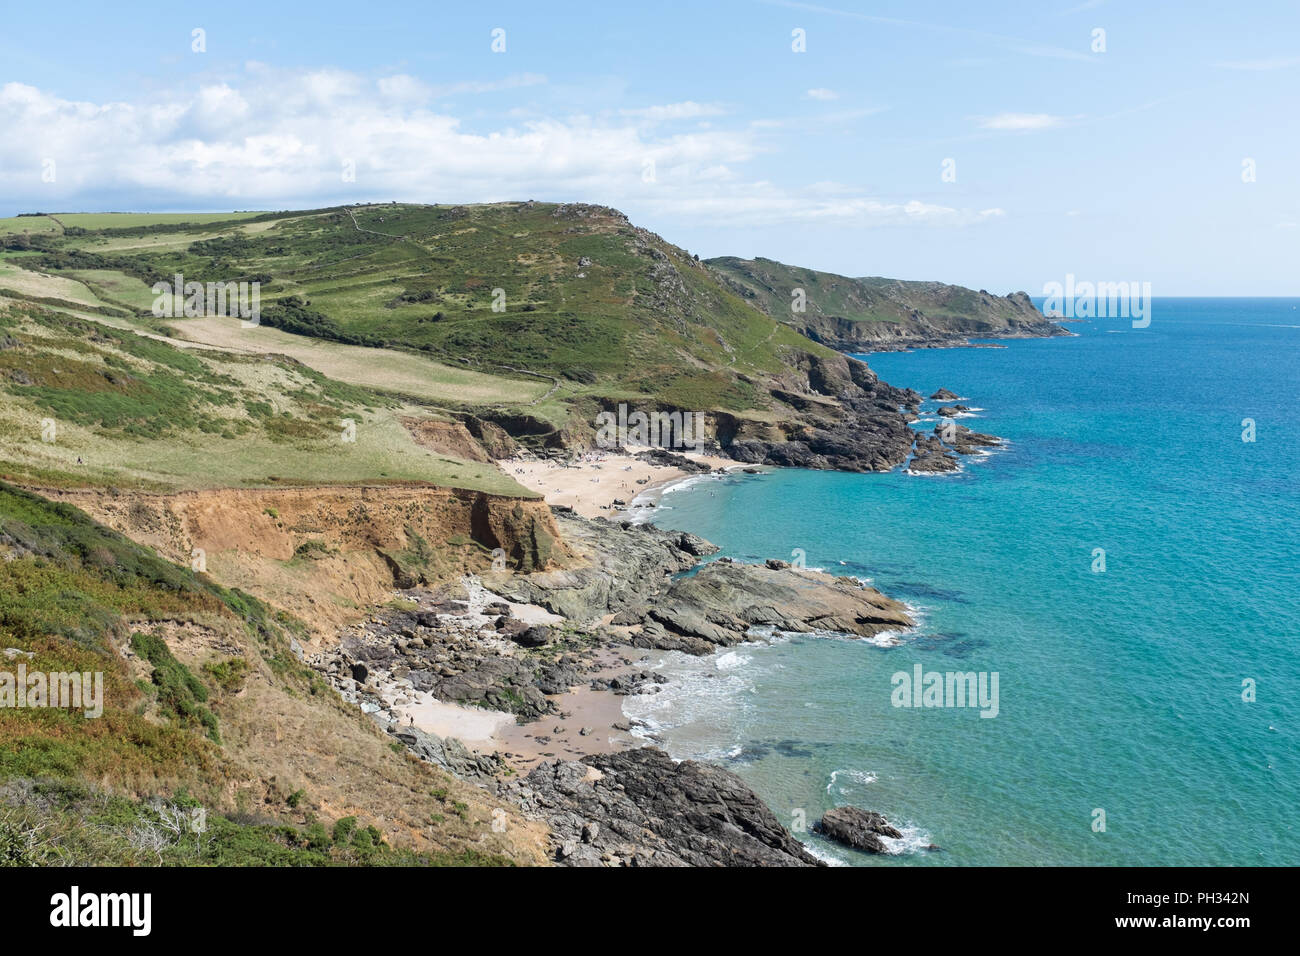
(995, 145)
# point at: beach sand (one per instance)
(591, 485)
(600, 712)
(475, 727)
(557, 736)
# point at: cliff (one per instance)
(879, 315)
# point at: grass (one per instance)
(116, 288)
(32, 224)
(770, 285)
(400, 298)
(377, 368)
(46, 822)
(138, 411)
(68, 590)
(134, 220)
(534, 315)
(24, 282)
(71, 591)
(180, 694)
(182, 716)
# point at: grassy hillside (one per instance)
(586, 298)
(869, 313)
(135, 410)
(205, 705)
(527, 318)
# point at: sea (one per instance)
(1127, 565)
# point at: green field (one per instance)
(136, 410)
(32, 224)
(40, 285)
(404, 373)
(585, 296)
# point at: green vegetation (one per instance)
(180, 694)
(74, 596)
(229, 675)
(57, 823)
(515, 293)
(911, 306)
(71, 593)
(134, 410)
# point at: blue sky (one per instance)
(702, 123)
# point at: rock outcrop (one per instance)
(640, 808)
(840, 416)
(718, 605)
(860, 829)
(450, 754)
(628, 573)
(448, 651)
(620, 565)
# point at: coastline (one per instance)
(591, 720)
(462, 680)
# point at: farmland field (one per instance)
(385, 369)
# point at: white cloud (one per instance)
(820, 93)
(1021, 121)
(757, 204)
(279, 139)
(674, 111)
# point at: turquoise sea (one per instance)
(1119, 690)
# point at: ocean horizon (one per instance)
(1125, 565)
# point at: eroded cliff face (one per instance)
(328, 553)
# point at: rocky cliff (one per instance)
(877, 315)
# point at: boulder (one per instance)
(641, 808)
(860, 829)
(535, 636)
(720, 603)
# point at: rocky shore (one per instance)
(481, 676)
(640, 808)
(513, 680)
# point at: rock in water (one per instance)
(719, 604)
(860, 829)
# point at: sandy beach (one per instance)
(587, 720)
(598, 712)
(592, 484)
